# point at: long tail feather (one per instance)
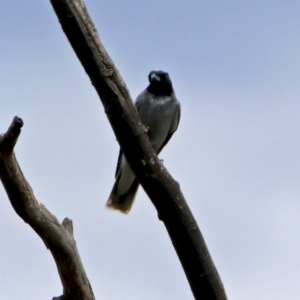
(124, 202)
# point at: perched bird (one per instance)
(159, 111)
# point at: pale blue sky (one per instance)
(235, 66)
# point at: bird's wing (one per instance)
(173, 128)
(119, 163)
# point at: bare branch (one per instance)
(68, 225)
(58, 238)
(163, 191)
(10, 138)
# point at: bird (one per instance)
(159, 111)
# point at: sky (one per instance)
(235, 68)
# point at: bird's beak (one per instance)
(154, 77)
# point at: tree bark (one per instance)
(57, 237)
(162, 189)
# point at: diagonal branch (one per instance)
(162, 189)
(57, 237)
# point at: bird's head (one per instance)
(160, 83)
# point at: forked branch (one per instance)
(57, 237)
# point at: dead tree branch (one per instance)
(57, 237)
(162, 189)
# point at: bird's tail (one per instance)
(122, 202)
